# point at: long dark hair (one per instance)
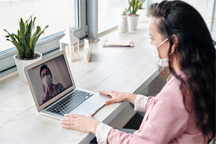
(195, 53)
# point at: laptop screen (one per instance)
(50, 79)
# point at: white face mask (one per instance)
(47, 81)
(159, 61)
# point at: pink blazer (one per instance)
(166, 121)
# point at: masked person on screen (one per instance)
(50, 90)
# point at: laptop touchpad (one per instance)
(89, 107)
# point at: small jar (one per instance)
(123, 24)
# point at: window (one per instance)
(58, 14)
(109, 12)
(46, 11)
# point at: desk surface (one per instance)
(121, 69)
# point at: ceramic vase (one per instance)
(133, 22)
(21, 64)
(123, 25)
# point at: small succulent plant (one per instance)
(135, 5)
(26, 38)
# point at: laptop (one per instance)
(54, 90)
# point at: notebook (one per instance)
(117, 43)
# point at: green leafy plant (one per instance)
(134, 5)
(25, 39)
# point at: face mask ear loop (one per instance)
(162, 42)
(172, 52)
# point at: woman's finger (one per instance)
(72, 115)
(110, 101)
(71, 122)
(68, 126)
(106, 93)
(66, 119)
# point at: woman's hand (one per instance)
(118, 96)
(79, 122)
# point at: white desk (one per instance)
(121, 69)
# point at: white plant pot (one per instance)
(133, 22)
(143, 15)
(123, 25)
(21, 64)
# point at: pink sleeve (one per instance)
(166, 119)
(149, 102)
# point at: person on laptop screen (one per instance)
(50, 90)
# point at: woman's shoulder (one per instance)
(173, 84)
(171, 94)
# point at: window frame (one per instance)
(213, 9)
(49, 43)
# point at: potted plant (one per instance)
(142, 12)
(133, 18)
(25, 41)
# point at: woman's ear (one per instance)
(175, 42)
(175, 63)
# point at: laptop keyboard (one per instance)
(70, 102)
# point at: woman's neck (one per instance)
(175, 64)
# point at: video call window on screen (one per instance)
(50, 79)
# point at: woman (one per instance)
(50, 90)
(184, 110)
